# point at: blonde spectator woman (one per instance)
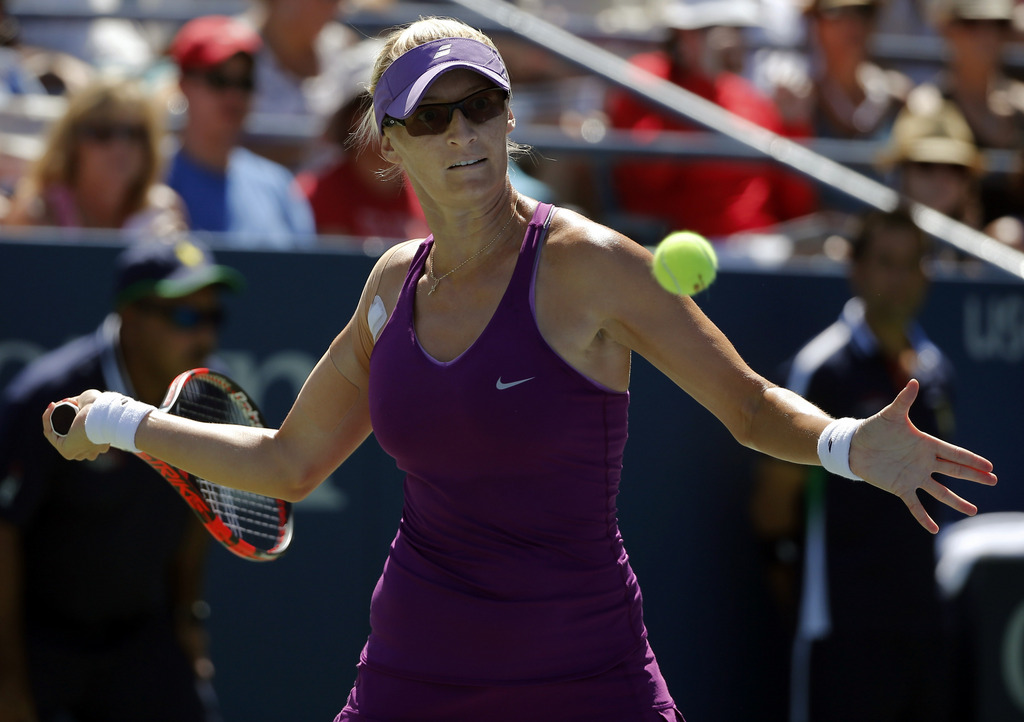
(100, 167)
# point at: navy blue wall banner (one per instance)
(286, 636)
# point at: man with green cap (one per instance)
(101, 564)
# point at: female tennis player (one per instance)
(491, 359)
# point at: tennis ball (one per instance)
(685, 263)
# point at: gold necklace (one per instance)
(430, 266)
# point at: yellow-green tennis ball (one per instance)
(685, 263)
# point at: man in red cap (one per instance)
(227, 188)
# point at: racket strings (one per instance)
(252, 517)
(246, 514)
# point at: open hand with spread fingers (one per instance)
(889, 452)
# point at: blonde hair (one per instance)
(398, 42)
(104, 100)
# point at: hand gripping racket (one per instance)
(253, 526)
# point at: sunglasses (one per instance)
(216, 80)
(434, 118)
(979, 23)
(930, 167)
(107, 133)
(860, 12)
(185, 318)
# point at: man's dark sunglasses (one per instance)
(976, 23)
(107, 132)
(185, 318)
(434, 118)
(863, 12)
(219, 81)
(929, 167)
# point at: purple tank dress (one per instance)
(507, 593)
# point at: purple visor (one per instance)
(408, 78)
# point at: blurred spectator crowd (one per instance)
(231, 117)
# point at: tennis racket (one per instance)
(254, 527)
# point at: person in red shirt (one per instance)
(713, 197)
(351, 197)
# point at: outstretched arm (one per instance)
(610, 279)
(889, 452)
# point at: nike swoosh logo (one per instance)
(501, 385)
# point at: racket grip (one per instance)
(62, 417)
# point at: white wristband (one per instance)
(834, 447)
(114, 418)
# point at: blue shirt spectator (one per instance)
(255, 201)
(252, 200)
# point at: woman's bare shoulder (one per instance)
(394, 262)
(389, 271)
(575, 240)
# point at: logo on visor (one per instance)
(442, 51)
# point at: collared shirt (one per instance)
(107, 529)
(852, 578)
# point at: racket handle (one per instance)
(62, 417)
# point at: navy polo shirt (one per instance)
(868, 563)
(98, 536)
